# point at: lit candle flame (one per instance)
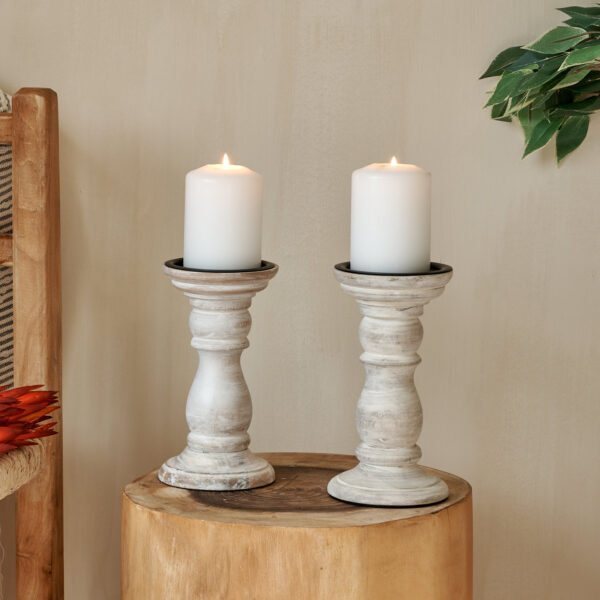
(394, 160)
(225, 161)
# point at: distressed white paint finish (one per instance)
(389, 415)
(219, 408)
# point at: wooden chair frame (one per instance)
(33, 250)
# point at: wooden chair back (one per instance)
(33, 250)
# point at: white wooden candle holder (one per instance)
(219, 408)
(389, 415)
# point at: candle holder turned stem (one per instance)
(389, 415)
(219, 408)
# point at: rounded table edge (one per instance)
(298, 519)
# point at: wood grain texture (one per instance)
(37, 316)
(291, 540)
(6, 128)
(6, 249)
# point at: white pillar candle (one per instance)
(390, 224)
(223, 218)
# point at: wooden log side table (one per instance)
(292, 541)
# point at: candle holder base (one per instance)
(216, 471)
(399, 486)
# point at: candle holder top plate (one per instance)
(409, 289)
(199, 281)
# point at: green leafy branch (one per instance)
(551, 85)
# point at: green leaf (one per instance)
(541, 135)
(572, 77)
(528, 119)
(548, 71)
(582, 16)
(585, 107)
(570, 135)
(519, 103)
(498, 111)
(529, 59)
(506, 85)
(558, 40)
(546, 100)
(503, 60)
(588, 11)
(588, 86)
(582, 56)
(583, 21)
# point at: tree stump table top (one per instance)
(297, 498)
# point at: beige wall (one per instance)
(305, 92)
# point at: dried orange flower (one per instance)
(25, 415)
